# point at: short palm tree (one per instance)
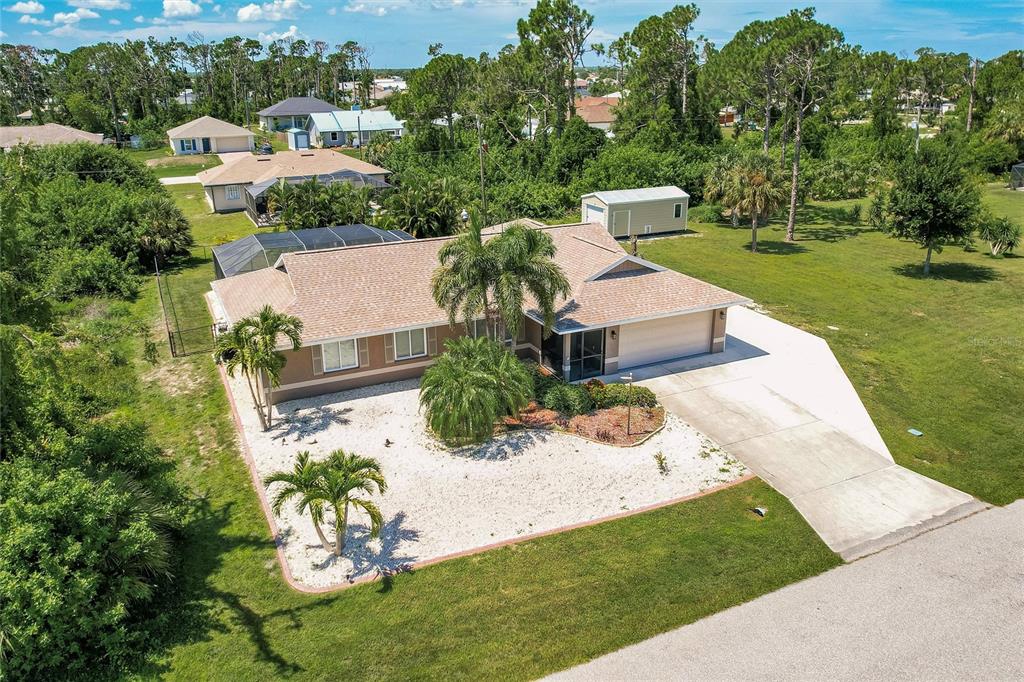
(760, 193)
(251, 346)
(331, 485)
(302, 483)
(472, 385)
(722, 184)
(1002, 234)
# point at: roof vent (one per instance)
(266, 158)
(309, 154)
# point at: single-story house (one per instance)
(292, 113)
(626, 212)
(209, 135)
(242, 184)
(369, 317)
(46, 134)
(597, 111)
(338, 128)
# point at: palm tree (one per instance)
(302, 482)
(493, 277)
(331, 485)
(344, 475)
(760, 193)
(251, 346)
(722, 184)
(473, 384)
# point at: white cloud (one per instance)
(114, 22)
(139, 19)
(100, 4)
(271, 11)
(332, 11)
(26, 19)
(181, 8)
(292, 32)
(74, 17)
(30, 7)
(366, 8)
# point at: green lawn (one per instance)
(944, 355)
(165, 164)
(517, 612)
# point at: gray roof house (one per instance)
(293, 113)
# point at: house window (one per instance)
(478, 328)
(188, 145)
(410, 344)
(340, 355)
(334, 137)
(231, 193)
(678, 211)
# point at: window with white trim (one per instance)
(678, 211)
(231, 192)
(188, 145)
(478, 328)
(340, 355)
(411, 343)
(334, 136)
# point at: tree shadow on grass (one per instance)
(777, 248)
(959, 272)
(830, 233)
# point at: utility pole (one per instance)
(970, 101)
(480, 149)
(917, 130)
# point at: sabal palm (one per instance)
(260, 334)
(302, 484)
(760, 193)
(344, 476)
(474, 383)
(722, 184)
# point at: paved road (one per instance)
(180, 180)
(948, 604)
(779, 402)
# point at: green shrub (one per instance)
(619, 394)
(706, 213)
(542, 380)
(568, 399)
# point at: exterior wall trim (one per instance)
(611, 323)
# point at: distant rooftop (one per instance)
(298, 106)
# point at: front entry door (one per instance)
(586, 354)
(206, 145)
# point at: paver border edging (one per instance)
(299, 586)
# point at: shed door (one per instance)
(666, 338)
(595, 214)
(620, 223)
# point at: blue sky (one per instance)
(399, 31)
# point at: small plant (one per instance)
(604, 435)
(662, 462)
(149, 352)
(1002, 234)
(619, 394)
(855, 213)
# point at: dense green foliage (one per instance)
(612, 395)
(475, 382)
(568, 399)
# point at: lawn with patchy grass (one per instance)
(943, 354)
(517, 612)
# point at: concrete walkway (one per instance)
(947, 605)
(180, 180)
(778, 401)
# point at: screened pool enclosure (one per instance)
(258, 251)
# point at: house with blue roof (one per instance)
(347, 128)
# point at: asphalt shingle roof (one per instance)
(298, 106)
(208, 126)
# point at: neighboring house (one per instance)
(258, 251)
(25, 115)
(242, 184)
(727, 116)
(369, 316)
(627, 212)
(581, 87)
(342, 128)
(381, 89)
(292, 113)
(46, 134)
(209, 135)
(597, 111)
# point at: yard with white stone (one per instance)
(442, 501)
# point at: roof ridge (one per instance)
(592, 243)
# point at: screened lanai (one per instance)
(258, 251)
(256, 194)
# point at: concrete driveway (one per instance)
(179, 180)
(944, 606)
(778, 401)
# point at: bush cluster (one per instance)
(568, 399)
(612, 395)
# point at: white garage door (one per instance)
(232, 144)
(642, 343)
(594, 214)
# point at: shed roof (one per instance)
(623, 196)
(208, 126)
(352, 121)
(374, 289)
(297, 106)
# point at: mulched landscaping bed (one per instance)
(606, 426)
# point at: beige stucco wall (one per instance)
(220, 202)
(217, 144)
(718, 330)
(611, 349)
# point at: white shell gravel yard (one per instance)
(442, 501)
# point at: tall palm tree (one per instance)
(760, 193)
(344, 475)
(251, 346)
(493, 277)
(303, 483)
(331, 485)
(722, 184)
(473, 384)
